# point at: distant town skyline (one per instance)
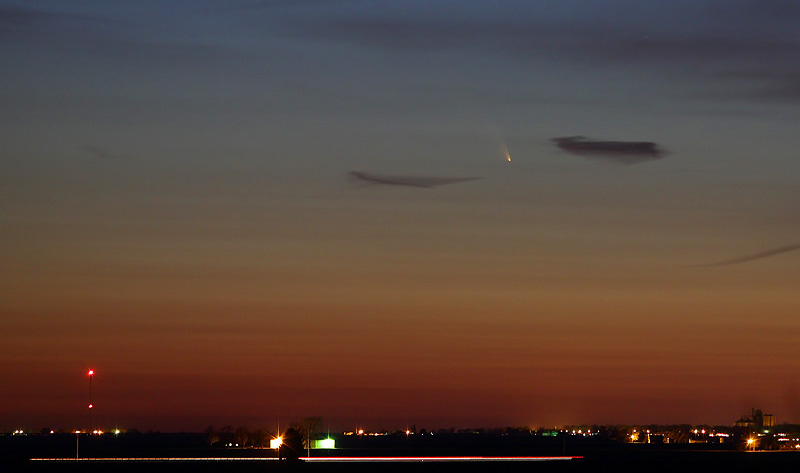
(181, 212)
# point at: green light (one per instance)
(326, 443)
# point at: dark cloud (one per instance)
(258, 5)
(26, 24)
(139, 43)
(17, 15)
(699, 56)
(26, 17)
(788, 10)
(779, 85)
(625, 152)
(23, 16)
(412, 181)
(745, 259)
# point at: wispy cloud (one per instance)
(756, 256)
(411, 181)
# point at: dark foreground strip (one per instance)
(316, 459)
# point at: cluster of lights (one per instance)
(374, 434)
(579, 432)
(94, 432)
(588, 432)
(19, 432)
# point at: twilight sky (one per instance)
(176, 212)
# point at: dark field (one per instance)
(596, 456)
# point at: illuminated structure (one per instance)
(327, 443)
(757, 421)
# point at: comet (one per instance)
(506, 153)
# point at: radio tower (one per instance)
(90, 374)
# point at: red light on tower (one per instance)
(90, 375)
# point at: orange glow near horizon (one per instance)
(184, 217)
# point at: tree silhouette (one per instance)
(242, 436)
(307, 428)
(258, 437)
(211, 435)
(292, 445)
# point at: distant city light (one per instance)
(275, 443)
